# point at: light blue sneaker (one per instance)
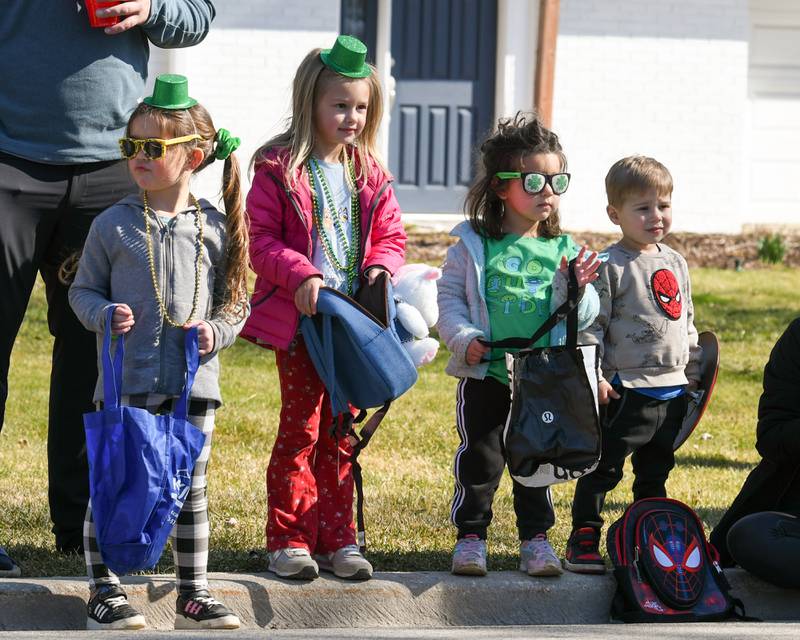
(537, 557)
(469, 556)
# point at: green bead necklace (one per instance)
(351, 249)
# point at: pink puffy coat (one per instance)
(280, 243)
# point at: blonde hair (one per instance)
(181, 122)
(310, 80)
(635, 174)
(505, 150)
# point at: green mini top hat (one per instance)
(347, 57)
(171, 91)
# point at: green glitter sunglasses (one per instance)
(534, 182)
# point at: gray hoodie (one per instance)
(114, 269)
(463, 313)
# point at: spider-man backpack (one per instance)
(666, 570)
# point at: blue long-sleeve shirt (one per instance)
(67, 89)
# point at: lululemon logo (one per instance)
(547, 417)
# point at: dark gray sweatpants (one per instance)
(45, 214)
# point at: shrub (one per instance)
(771, 249)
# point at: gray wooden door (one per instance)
(444, 62)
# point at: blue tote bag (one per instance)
(140, 465)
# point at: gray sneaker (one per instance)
(537, 558)
(294, 563)
(469, 556)
(347, 563)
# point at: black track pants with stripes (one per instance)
(481, 410)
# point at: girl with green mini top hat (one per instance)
(322, 212)
(167, 261)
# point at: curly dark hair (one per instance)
(504, 150)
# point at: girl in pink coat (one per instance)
(322, 212)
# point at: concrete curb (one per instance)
(419, 599)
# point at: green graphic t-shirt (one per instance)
(519, 278)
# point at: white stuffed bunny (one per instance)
(417, 310)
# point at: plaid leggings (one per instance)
(190, 535)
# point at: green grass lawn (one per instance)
(408, 464)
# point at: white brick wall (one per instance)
(665, 78)
(242, 72)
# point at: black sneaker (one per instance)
(583, 554)
(108, 608)
(198, 610)
(8, 568)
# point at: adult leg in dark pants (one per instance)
(767, 544)
(633, 423)
(45, 214)
(481, 410)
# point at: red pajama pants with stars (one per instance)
(309, 477)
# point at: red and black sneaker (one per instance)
(582, 554)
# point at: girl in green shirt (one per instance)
(503, 279)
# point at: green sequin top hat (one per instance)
(171, 91)
(347, 57)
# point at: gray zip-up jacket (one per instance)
(114, 269)
(464, 314)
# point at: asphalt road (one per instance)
(727, 630)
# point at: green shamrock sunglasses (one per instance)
(534, 182)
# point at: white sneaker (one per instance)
(347, 563)
(537, 558)
(294, 563)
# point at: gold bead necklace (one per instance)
(198, 262)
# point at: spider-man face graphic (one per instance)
(673, 559)
(667, 293)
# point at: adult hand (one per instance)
(475, 352)
(131, 13)
(373, 273)
(121, 320)
(605, 392)
(585, 267)
(305, 298)
(205, 336)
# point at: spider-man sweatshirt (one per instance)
(645, 329)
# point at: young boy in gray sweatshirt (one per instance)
(648, 348)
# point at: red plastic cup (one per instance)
(94, 5)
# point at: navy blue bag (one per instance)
(360, 358)
(665, 568)
(140, 465)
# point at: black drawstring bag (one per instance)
(552, 432)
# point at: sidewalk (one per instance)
(411, 600)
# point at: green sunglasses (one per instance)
(154, 148)
(534, 182)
